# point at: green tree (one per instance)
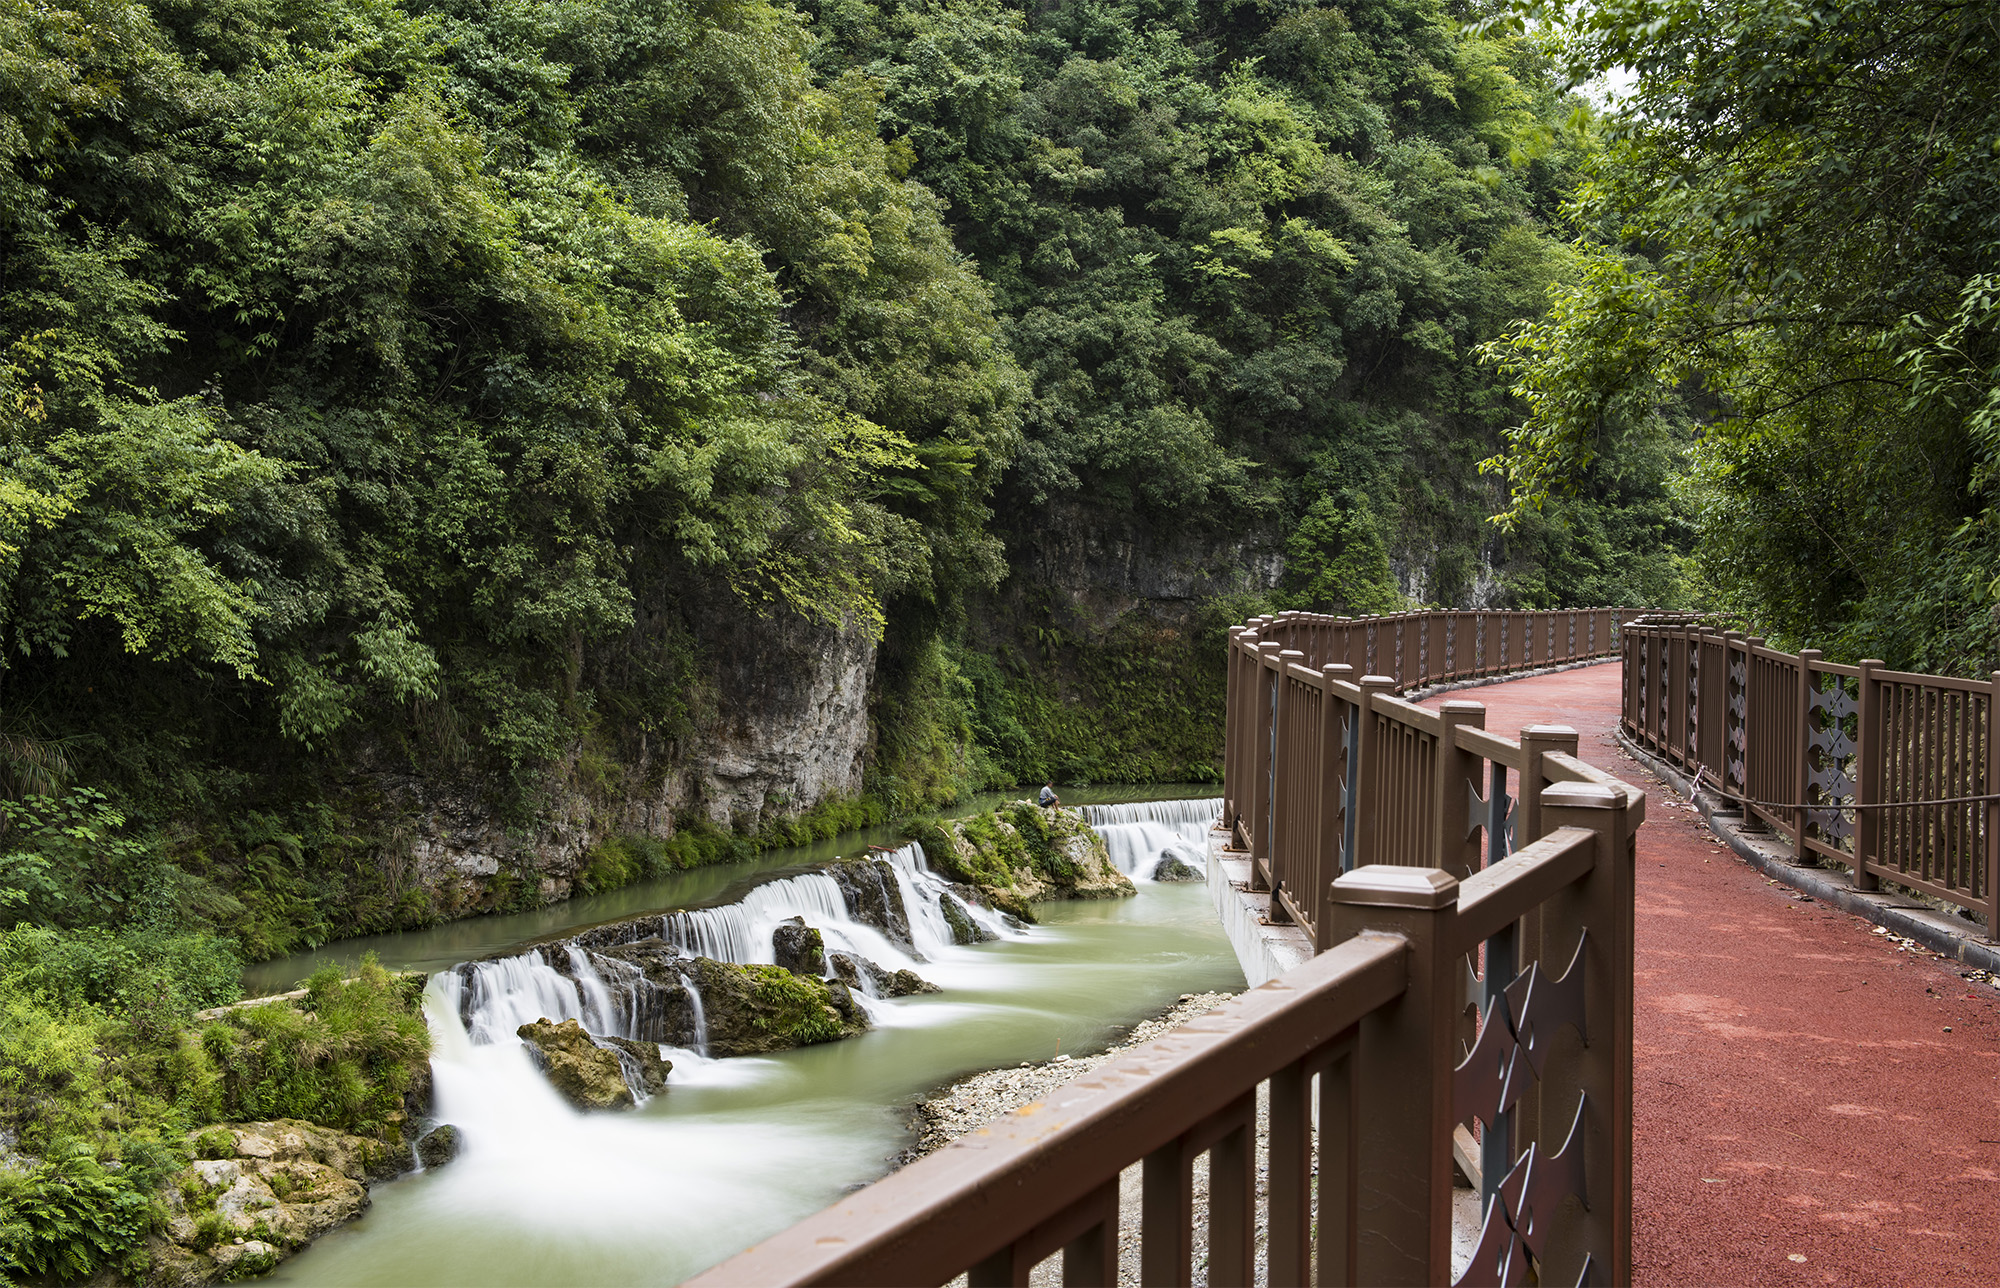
(1789, 240)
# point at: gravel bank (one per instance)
(975, 1101)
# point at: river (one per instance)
(737, 1149)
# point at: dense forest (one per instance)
(455, 454)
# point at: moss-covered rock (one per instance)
(799, 948)
(642, 1062)
(751, 1010)
(438, 1146)
(587, 1075)
(964, 929)
(260, 1192)
(1022, 854)
(1173, 869)
(874, 898)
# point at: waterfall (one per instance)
(700, 1020)
(741, 932)
(587, 979)
(1138, 835)
(500, 996)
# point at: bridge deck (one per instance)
(1801, 1113)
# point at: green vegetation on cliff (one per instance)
(420, 410)
(1790, 242)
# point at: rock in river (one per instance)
(799, 948)
(587, 1075)
(265, 1190)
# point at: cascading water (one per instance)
(738, 1148)
(1138, 836)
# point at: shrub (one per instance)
(69, 1218)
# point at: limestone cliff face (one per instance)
(780, 723)
(790, 724)
(1111, 564)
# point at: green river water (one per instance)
(736, 1149)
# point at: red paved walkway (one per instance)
(1801, 1113)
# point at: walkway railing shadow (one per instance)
(1449, 991)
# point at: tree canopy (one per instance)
(1789, 242)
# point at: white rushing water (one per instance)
(1139, 835)
(738, 1148)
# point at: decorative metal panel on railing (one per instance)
(1470, 900)
(1892, 774)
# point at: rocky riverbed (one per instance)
(973, 1102)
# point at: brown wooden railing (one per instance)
(1309, 730)
(1893, 774)
(1459, 984)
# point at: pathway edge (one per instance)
(1932, 929)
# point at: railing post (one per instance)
(1752, 726)
(1868, 775)
(1264, 697)
(1529, 825)
(1993, 808)
(1403, 1065)
(1457, 845)
(1598, 911)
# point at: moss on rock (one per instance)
(751, 1010)
(1021, 854)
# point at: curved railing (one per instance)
(1461, 982)
(1894, 774)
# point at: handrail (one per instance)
(959, 1207)
(1893, 774)
(1438, 867)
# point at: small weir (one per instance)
(738, 1148)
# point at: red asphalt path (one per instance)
(1810, 1104)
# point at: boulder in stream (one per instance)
(874, 898)
(643, 1063)
(859, 972)
(1022, 854)
(964, 929)
(1173, 869)
(799, 948)
(438, 1146)
(751, 1010)
(585, 1074)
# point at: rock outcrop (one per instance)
(438, 1146)
(265, 1190)
(1173, 869)
(860, 973)
(799, 948)
(587, 1075)
(1022, 854)
(645, 1068)
(752, 1010)
(964, 929)
(874, 898)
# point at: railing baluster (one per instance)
(1166, 1221)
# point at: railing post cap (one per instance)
(1581, 796)
(1390, 885)
(1269, 645)
(1461, 709)
(1337, 668)
(1549, 731)
(1291, 652)
(1378, 682)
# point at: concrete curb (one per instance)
(1934, 930)
(1418, 695)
